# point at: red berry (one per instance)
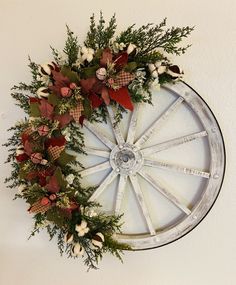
(66, 92)
(45, 201)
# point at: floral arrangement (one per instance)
(77, 85)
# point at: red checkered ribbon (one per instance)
(76, 113)
(37, 208)
(28, 131)
(55, 151)
(124, 78)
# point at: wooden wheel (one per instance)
(162, 166)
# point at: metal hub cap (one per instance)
(126, 159)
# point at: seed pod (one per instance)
(77, 250)
(98, 240)
(42, 92)
(46, 68)
(131, 48)
(174, 71)
(20, 150)
(68, 238)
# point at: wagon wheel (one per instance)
(163, 171)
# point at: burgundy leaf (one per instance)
(106, 57)
(63, 119)
(53, 185)
(95, 100)
(46, 109)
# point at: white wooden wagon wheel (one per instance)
(162, 166)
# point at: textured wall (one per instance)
(207, 255)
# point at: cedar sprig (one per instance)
(71, 47)
(150, 37)
(99, 36)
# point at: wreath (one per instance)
(76, 86)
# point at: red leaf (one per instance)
(34, 100)
(28, 148)
(31, 175)
(95, 100)
(87, 84)
(46, 109)
(22, 157)
(105, 96)
(25, 137)
(121, 60)
(81, 120)
(59, 141)
(53, 185)
(122, 97)
(59, 81)
(42, 175)
(63, 119)
(106, 57)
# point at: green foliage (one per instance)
(99, 36)
(71, 47)
(150, 37)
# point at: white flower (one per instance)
(45, 79)
(118, 47)
(21, 188)
(70, 178)
(131, 48)
(161, 69)
(82, 229)
(155, 85)
(152, 69)
(62, 58)
(156, 68)
(140, 74)
(87, 54)
(66, 134)
(44, 161)
(77, 250)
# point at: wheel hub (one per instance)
(126, 159)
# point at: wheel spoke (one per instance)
(173, 143)
(178, 168)
(97, 152)
(157, 185)
(159, 122)
(115, 127)
(142, 204)
(99, 135)
(132, 125)
(97, 168)
(111, 176)
(120, 193)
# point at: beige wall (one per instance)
(206, 256)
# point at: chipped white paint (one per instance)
(127, 158)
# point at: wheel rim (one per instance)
(129, 158)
